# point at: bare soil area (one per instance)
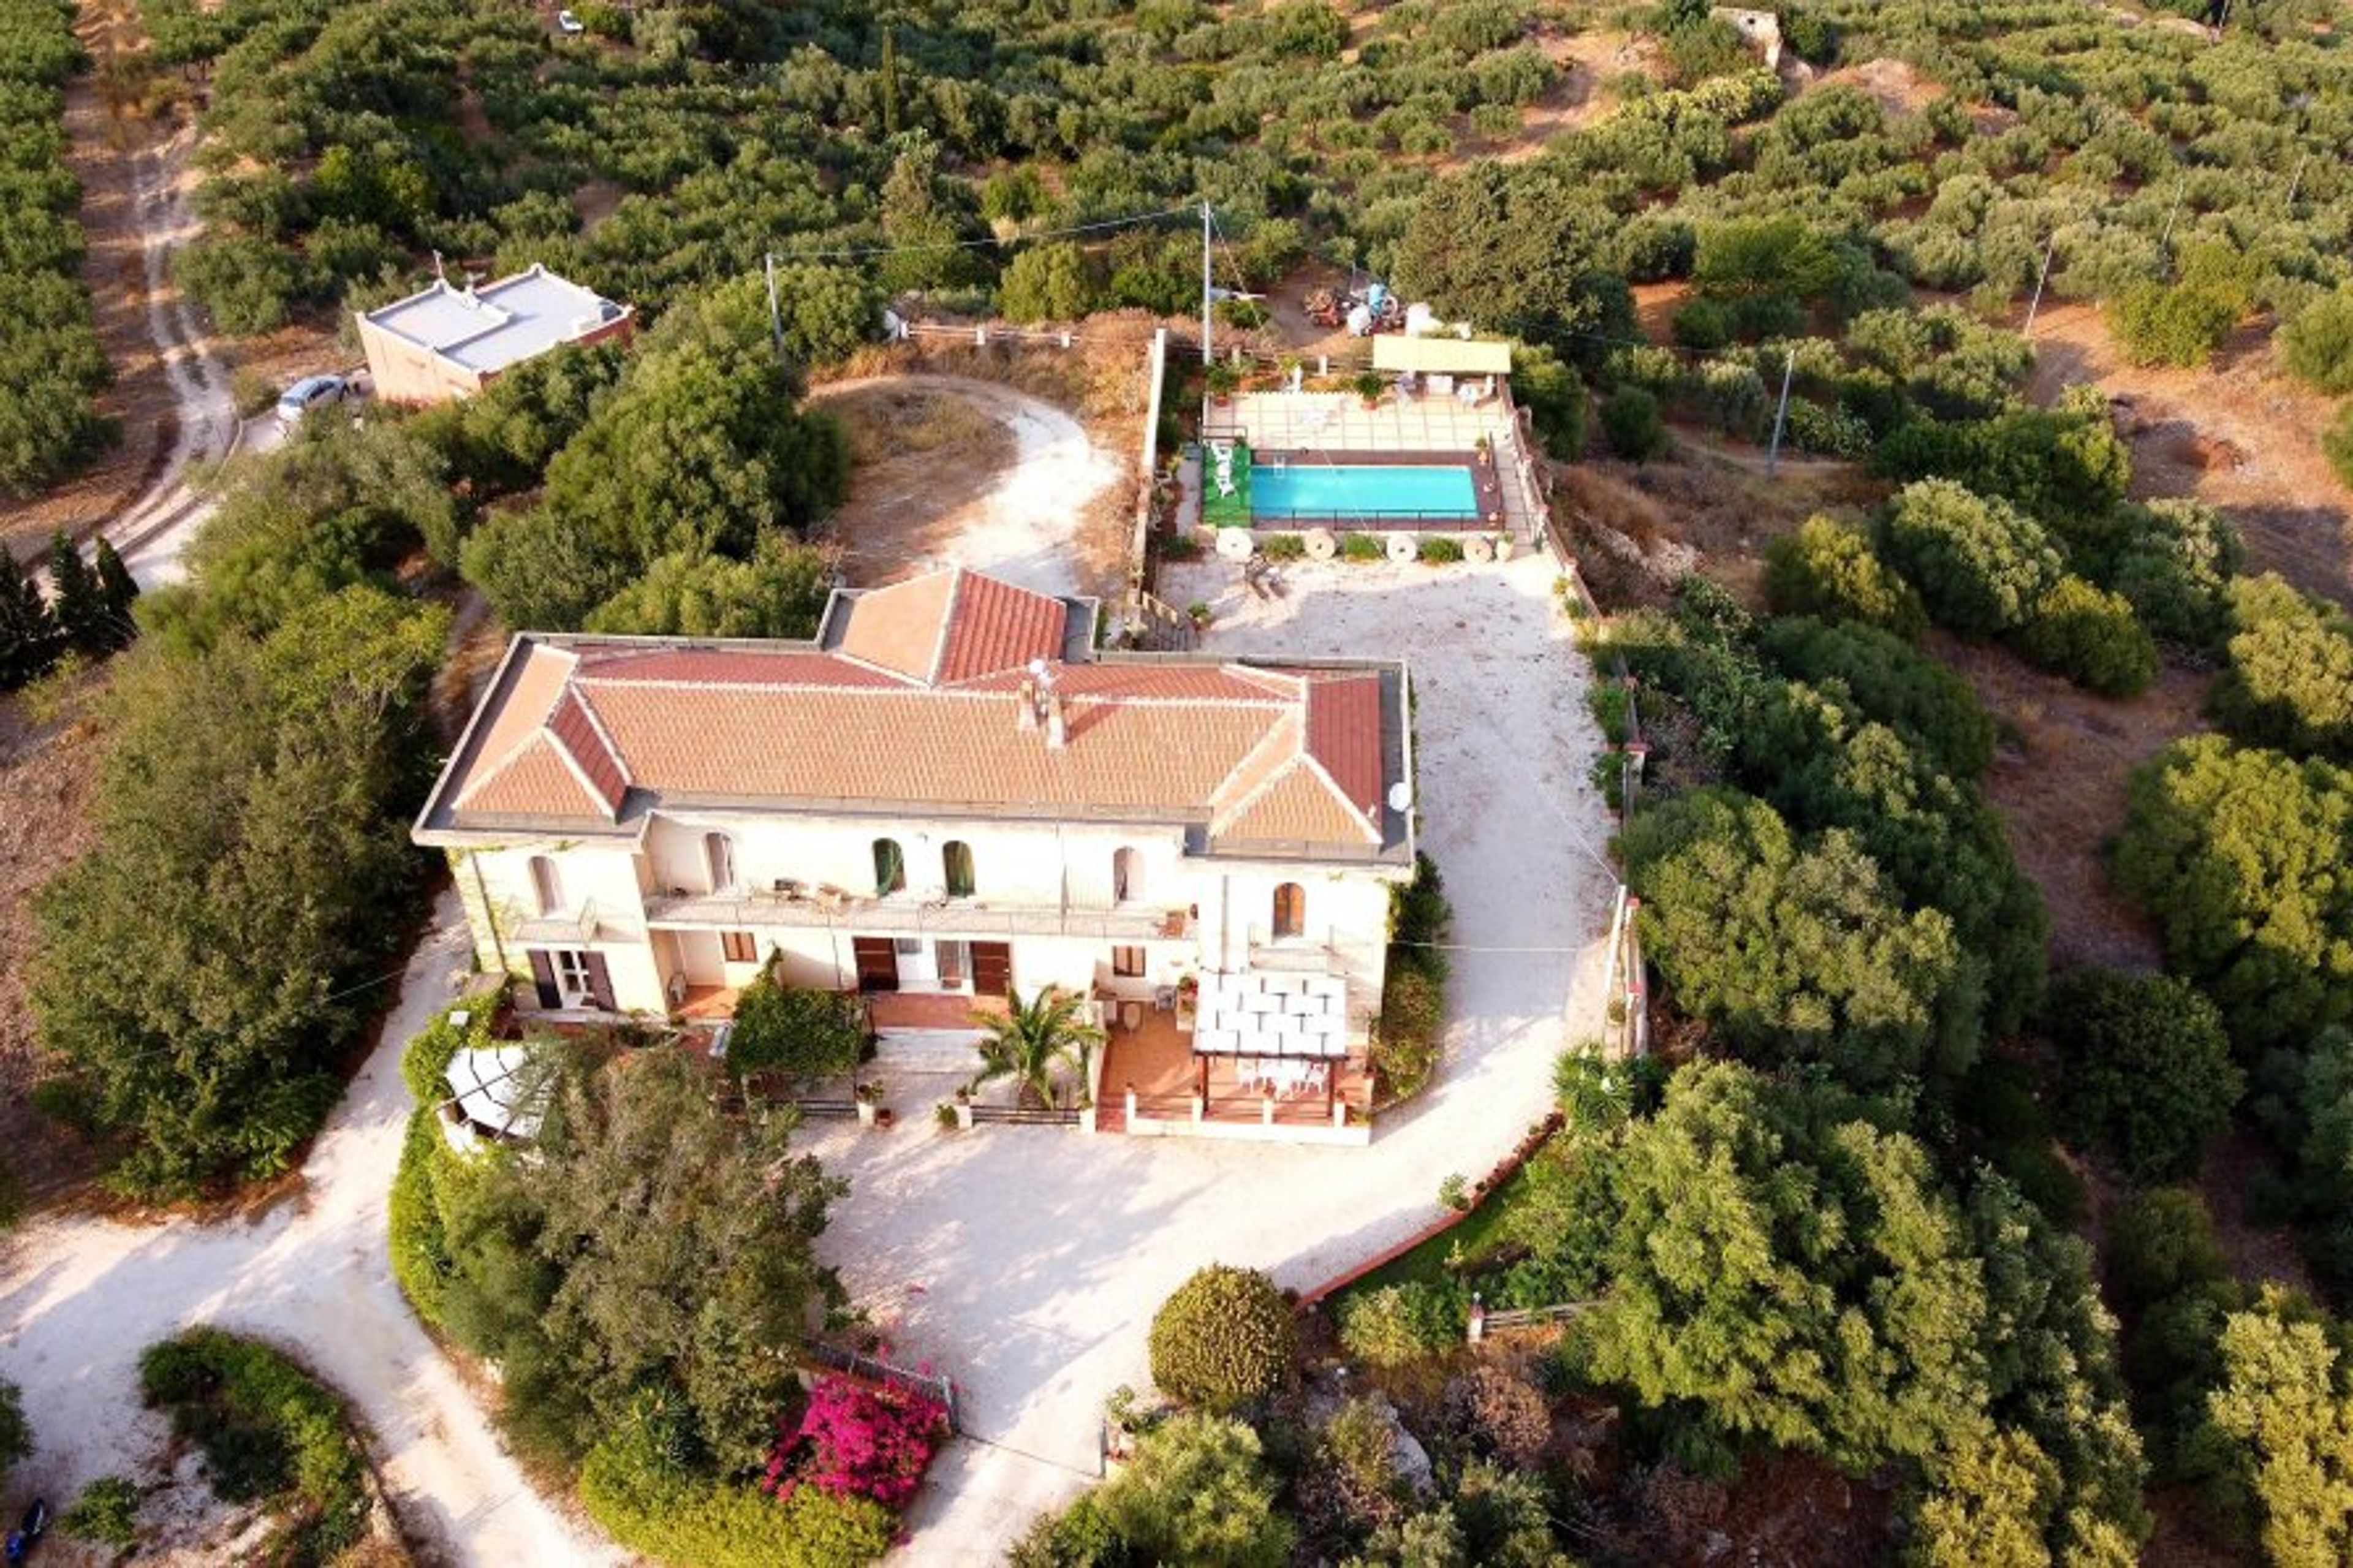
(49, 776)
(1897, 88)
(1062, 504)
(2058, 779)
(2241, 438)
(919, 454)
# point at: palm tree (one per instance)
(1033, 1038)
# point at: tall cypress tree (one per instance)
(28, 633)
(79, 602)
(116, 586)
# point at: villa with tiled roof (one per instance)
(947, 792)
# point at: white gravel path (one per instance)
(1027, 1262)
(80, 1297)
(1026, 527)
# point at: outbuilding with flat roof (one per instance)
(447, 342)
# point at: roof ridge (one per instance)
(522, 740)
(1314, 765)
(604, 735)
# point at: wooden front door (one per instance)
(878, 962)
(992, 968)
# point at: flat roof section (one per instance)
(1443, 356)
(489, 328)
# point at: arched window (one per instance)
(890, 868)
(546, 885)
(1126, 875)
(719, 858)
(955, 866)
(1289, 910)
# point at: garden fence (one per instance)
(936, 1386)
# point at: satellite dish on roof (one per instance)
(1043, 673)
(1400, 797)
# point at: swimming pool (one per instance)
(1315, 489)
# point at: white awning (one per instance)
(491, 1093)
(1256, 1014)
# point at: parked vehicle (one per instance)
(28, 1532)
(311, 391)
(565, 22)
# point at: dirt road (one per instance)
(81, 1298)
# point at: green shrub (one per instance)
(1701, 325)
(248, 285)
(2147, 1068)
(2174, 561)
(1362, 547)
(1078, 1537)
(1282, 547)
(107, 1512)
(797, 1030)
(424, 1064)
(1891, 681)
(2289, 679)
(1630, 419)
(2316, 344)
(1981, 566)
(419, 1238)
(1224, 1340)
(2161, 1242)
(1439, 550)
(271, 1434)
(1395, 1324)
(2337, 442)
(2176, 324)
(637, 1486)
(2091, 636)
(1555, 398)
(1199, 1492)
(15, 1432)
(1830, 572)
(1408, 1036)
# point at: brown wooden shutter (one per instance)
(543, 975)
(600, 981)
(992, 968)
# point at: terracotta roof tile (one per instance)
(1255, 754)
(1343, 734)
(995, 628)
(902, 627)
(584, 742)
(1298, 805)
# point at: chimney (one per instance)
(1057, 732)
(1025, 715)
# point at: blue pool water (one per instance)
(1313, 490)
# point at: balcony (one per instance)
(577, 928)
(820, 908)
(1313, 952)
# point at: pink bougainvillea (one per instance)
(858, 1439)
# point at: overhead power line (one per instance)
(850, 253)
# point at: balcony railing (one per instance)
(1313, 950)
(576, 928)
(901, 915)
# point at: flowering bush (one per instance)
(858, 1441)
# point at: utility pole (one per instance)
(776, 317)
(1206, 356)
(2040, 278)
(2180, 187)
(2297, 182)
(1781, 414)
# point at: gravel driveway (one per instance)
(80, 1297)
(1025, 1262)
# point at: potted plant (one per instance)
(945, 1115)
(962, 1110)
(1486, 451)
(1200, 614)
(1221, 380)
(870, 1103)
(1369, 386)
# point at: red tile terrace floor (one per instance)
(1156, 1059)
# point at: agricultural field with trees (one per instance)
(1959, 1255)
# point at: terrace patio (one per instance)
(1158, 1062)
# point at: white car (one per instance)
(311, 391)
(565, 22)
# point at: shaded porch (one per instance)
(1157, 1060)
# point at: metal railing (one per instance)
(900, 916)
(936, 1386)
